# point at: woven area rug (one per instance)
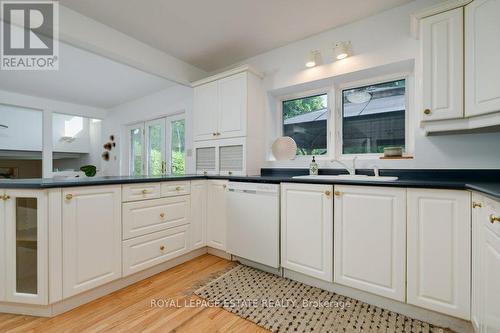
(283, 305)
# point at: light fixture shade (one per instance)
(313, 59)
(342, 50)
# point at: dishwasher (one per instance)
(253, 222)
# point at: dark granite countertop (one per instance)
(483, 181)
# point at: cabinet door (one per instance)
(442, 65)
(478, 214)
(370, 239)
(198, 230)
(216, 214)
(26, 247)
(439, 250)
(482, 51)
(307, 229)
(232, 106)
(206, 111)
(490, 281)
(91, 237)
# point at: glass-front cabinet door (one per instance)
(26, 246)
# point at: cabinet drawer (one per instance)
(150, 250)
(134, 192)
(148, 216)
(171, 189)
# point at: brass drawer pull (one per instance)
(145, 192)
(494, 219)
(162, 248)
(327, 193)
(178, 188)
(337, 193)
(427, 111)
(477, 205)
(5, 197)
(162, 215)
(69, 196)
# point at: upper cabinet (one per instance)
(221, 106)
(482, 72)
(228, 123)
(442, 62)
(460, 73)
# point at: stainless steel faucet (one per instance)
(352, 171)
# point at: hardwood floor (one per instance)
(130, 309)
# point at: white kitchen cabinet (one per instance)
(24, 253)
(486, 265)
(206, 110)
(92, 240)
(439, 250)
(216, 214)
(307, 229)
(482, 51)
(220, 108)
(442, 63)
(198, 232)
(232, 106)
(370, 239)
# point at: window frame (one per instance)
(304, 94)
(141, 126)
(338, 141)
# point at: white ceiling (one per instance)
(84, 78)
(213, 34)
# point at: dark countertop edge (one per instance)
(491, 189)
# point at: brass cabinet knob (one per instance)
(69, 196)
(327, 193)
(5, 197)
(337, 193)
(178, 188)
(230, 173)
(477, 205)
(494, 219)
(218, 133)
(162, 248)
(162, 215)
(214, 134)
(427, 111)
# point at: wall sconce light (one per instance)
(313, 59)
(342, 50)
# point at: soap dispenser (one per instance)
(313, 167)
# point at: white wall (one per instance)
(170, 101)
(381, 43)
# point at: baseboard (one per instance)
(88, 296)
(265, 268)
(218, 253)
(438, 319)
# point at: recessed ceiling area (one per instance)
(85, 78)
(218, 33)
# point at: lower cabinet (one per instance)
(198, 226)
(486, 265)
(92, 237)
(216, 214)
(24, 247)
(307, 229)
(439, 250)
(147, 251)
(370, 239)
